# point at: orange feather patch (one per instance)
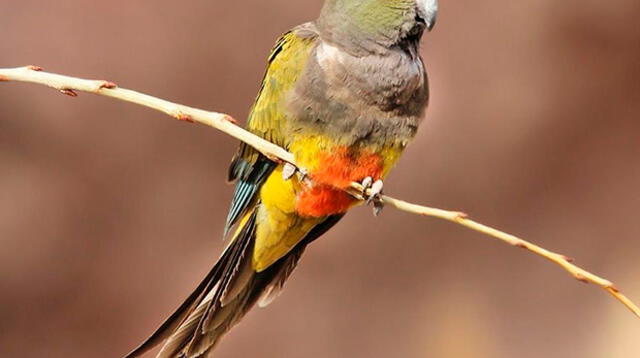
(335, 171)
(322, 200)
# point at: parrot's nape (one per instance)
(345, 95)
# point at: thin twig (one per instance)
(69, 85)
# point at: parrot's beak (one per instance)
(428, 11)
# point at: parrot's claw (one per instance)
(303, 175)
(366, 184)
(378, 205)
(289, 170)
(374, 195)
(375, 192)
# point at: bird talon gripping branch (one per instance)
(366, 185)
(375, 192)
(288, 171)
(303, 176)
(372, 193)
(378, 205)
(375, 197)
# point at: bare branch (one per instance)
(70, 85)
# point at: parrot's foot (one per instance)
(289, 170)
(375, 194)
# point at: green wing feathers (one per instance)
(268, 118)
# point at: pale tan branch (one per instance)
(69, 85)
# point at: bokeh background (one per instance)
(110, 213)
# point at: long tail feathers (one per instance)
(186, 309)
(228, 291)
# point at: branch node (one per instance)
(580, 277)
(274, 159)
(69, 92)
(520, 244)
(461, 216)
(35, 68)
(108, 85)
(185, 118)
(567, 258)
(229, 119)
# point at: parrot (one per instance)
(345, 95)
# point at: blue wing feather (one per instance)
(246, 188)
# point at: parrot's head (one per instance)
(366, 24)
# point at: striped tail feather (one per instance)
(226, 294)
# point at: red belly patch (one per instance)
(322, 200)
(335, 171)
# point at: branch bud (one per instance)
(69, 92)
(230, 119)
(108, 85)
(580, 277)
(185, 118)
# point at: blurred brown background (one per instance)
(110, 213)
